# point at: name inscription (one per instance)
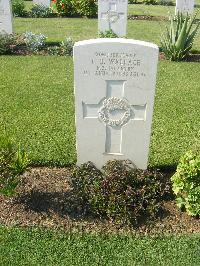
(115, 65)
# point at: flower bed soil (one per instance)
(45, 198)
(23, 51)
(190, 58)
(148, 17)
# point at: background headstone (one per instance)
(112, 14)
(5, 17)
(184, 6)
(42, 2)
(114, 95)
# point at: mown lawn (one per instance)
(42, 247)
(37, 105)
(141, 9)
(57, 29)
(37, 108)
(156, 10)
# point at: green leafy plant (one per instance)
(132, 1)
(108, 34)
(13, 162)
(178, 40)
(41, 11)
(87, 8)
(71, 8)
(6, 43)
(65, 7)
(66, 47)
(119, 191)
(166, 2)
(150, 2)
(186, 183)
(18, 8)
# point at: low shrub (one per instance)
(108, 34)
(178, 39)
(120, 192)
(13, 162)
(87, 8)
(41, 11)
(6, 43)
(66, 47)
(132, 1)
(71, 8)
(18, 8)
(34, 42)
(186, 183)
(150, 2)
(166, 2)
(53, 50)
(65, 7)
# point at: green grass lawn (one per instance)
(56, 29)
(141, 9)
(156, 10)
(40, 247)
(37, 107)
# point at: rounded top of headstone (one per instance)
(116, 40)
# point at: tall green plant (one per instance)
(13, 162)
(178, 39)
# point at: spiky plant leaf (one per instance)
(179, 37)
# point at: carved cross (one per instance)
(185, 5)
(115, 112)
(112, 15)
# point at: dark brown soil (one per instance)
(45, 199)
(193, 58)
(22, 50)
(153, 18)
(148, 17)
(189, 58)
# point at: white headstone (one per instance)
(184, 6)
(5, 17)
(112, 14)
(42, 2)
(114, 95)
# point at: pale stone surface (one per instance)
(42, 2)
(5, 17)
(112, 14)
(114, 95)
(184, 6)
